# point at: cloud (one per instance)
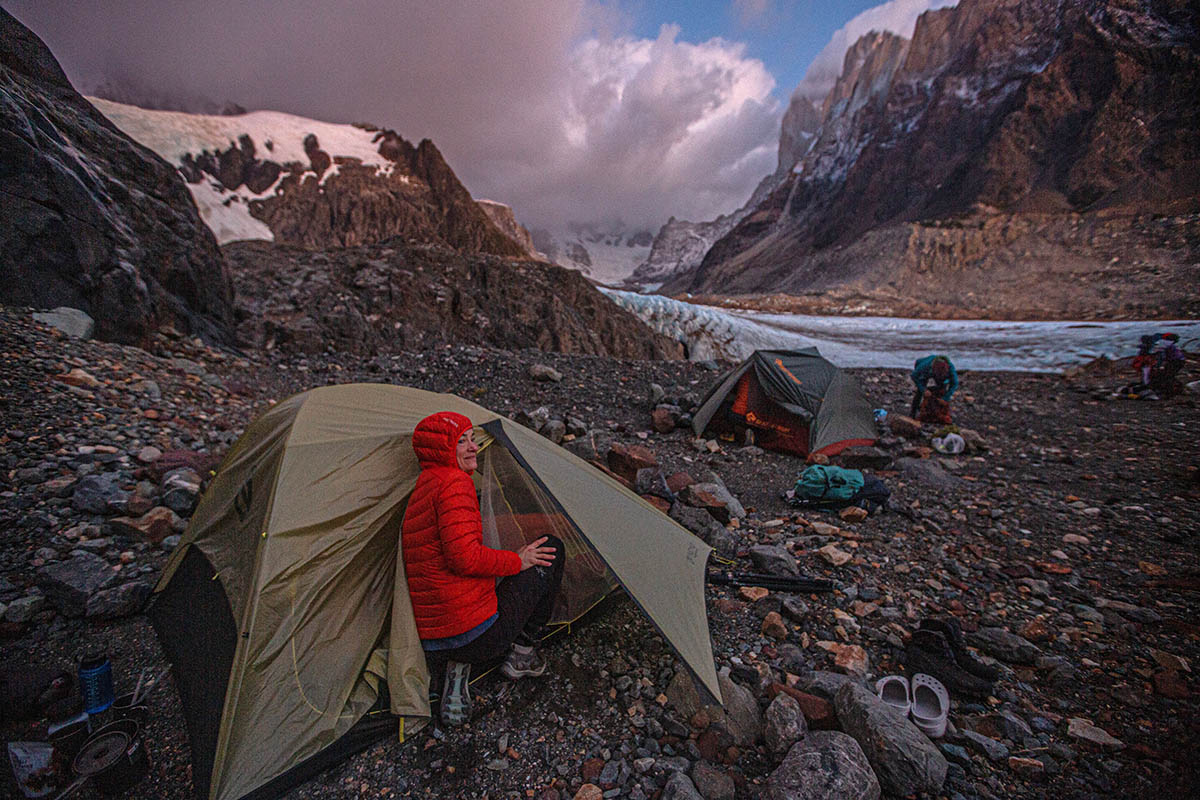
(751, 12)
(541, 104)
(897, 16)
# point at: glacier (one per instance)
(731, 335)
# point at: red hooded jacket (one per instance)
(451, 574)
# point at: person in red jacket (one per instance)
(463, 616)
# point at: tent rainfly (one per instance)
(795, 402)
(285, 611)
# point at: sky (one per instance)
(568, 110)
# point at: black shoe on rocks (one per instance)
(950, 629)
(929, 652)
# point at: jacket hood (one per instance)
(435, 438)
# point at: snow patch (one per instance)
(174, 134)
(227, 213)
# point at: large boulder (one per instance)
(824, 765)
(905, 761)
(92, 220)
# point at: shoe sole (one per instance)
(514, 673)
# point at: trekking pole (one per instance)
(774, 582)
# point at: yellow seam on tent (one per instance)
(292, 646)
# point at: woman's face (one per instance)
(466, 451)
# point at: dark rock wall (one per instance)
(91, 219)
(995, 108)
(390, 297)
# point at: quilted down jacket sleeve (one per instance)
(461, 530)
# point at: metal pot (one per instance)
(114, 758)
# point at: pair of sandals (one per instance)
(925, 700)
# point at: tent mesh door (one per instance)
(516, 511)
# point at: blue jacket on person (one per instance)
(922, 374)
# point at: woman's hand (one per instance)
(536, 554)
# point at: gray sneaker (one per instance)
(456, 694)
(523, 662)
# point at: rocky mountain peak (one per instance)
(1062, 119)
(293, 180)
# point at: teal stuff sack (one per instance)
(822, 483)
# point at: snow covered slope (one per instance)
(275, 176)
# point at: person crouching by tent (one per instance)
(463, 616)
(936, 381)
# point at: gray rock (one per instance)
(576, 427)
(23, 609)
(994, 750)
(794, 608)
(554, 430)
(1130, 611)
(544, 372)
(864, 457)
(71, 321)
(1005, 645)
(927, 473)
(784, 725)
(904, 760)
(69, 584)
(741, 711)
(649, 480)
(121, 601)
(99, 494)
(711, 782)
(657, 394)
(181, 501)
(825, 684)
(682, 695)
(774, 560)
(680, 787)
(723, 494)
(824, 765)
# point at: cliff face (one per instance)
(296, 181)
(91, 219)
(389, 297)
(1047, 116)
(503, 218)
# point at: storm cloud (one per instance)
(541, 104)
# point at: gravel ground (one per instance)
(1075, 528)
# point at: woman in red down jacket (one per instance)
(463, 617)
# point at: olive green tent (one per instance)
(794, 400)
(285, 611)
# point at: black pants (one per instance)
(524, 602)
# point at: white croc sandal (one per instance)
(930, 705)
(893, 690)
